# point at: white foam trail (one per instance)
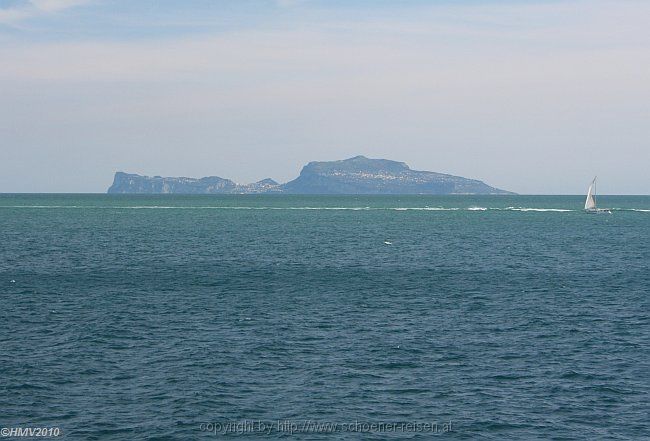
(477, 209)
(420, 209)
(559, 210)
(160, 207)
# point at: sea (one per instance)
(172, 317)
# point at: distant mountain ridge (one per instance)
(133, 183)
(358, 175)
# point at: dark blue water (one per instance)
(139, 317)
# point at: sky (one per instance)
(533, 96)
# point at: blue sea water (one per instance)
(152, 317)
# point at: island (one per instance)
(358, 175)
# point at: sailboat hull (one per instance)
(598, 211)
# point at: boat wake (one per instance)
(559, 210)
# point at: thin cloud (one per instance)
(289, 3)
(34, 8)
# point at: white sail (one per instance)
(590, 203)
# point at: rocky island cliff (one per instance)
(358, 175)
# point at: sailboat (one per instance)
(590, 203)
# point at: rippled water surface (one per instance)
(142, 317)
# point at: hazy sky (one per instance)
(530, 96)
